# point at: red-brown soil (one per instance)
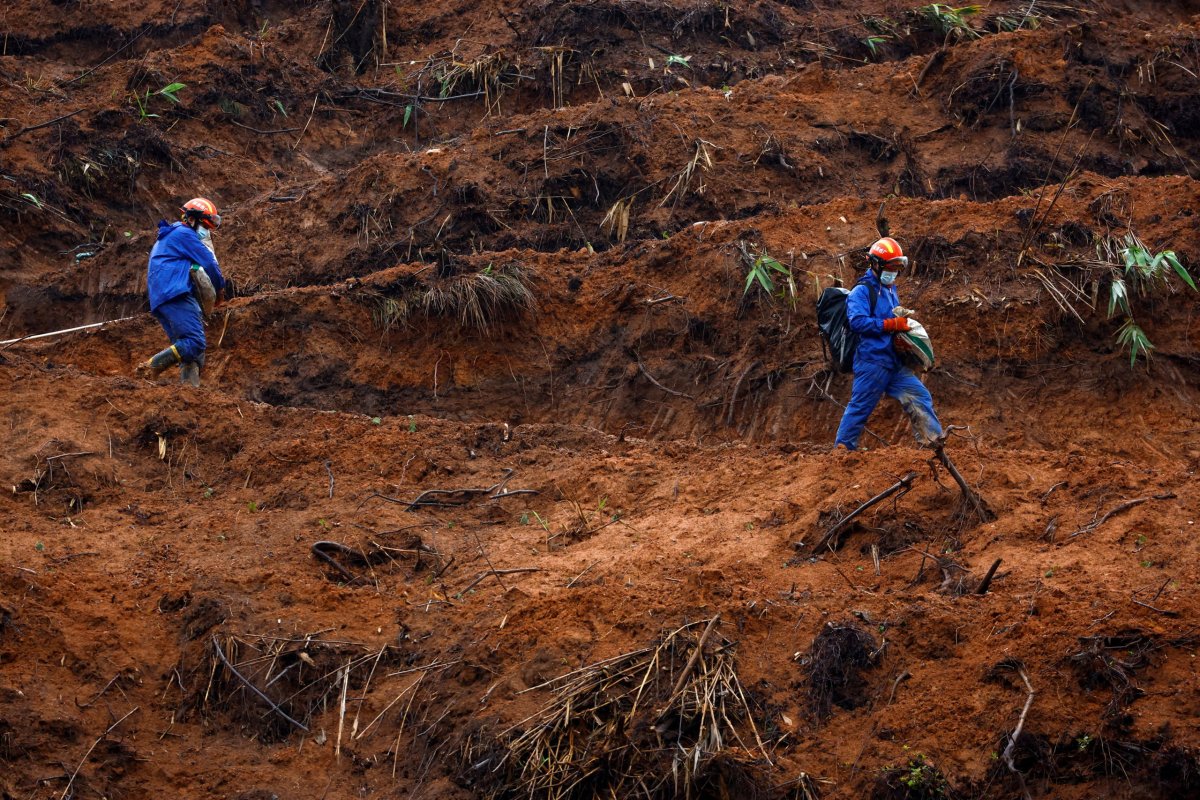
(372, 160)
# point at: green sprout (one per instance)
(761, 272)
(142, 102)
(873, 43)
(950, 21)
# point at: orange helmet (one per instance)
(201, 210)
(887, 253)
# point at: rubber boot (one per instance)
(158, 363)
(189, 373)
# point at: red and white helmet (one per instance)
(202, 210)
(887, 254)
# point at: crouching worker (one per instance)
(182, 278)
(878, 369)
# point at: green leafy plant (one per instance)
(252, 507)
(1136, 271)
(679, 61)
(873, 43)
(32, 198)
(762, 273)
(950, 21)
(142, 102)
(922, 779)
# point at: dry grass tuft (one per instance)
(481, 300)
(670, 720)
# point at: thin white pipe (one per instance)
(66, 330)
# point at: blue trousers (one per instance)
(180, 317)
(871, 381)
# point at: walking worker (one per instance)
(874, 313)
(182, 274)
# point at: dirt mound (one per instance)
(511, 473)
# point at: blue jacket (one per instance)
(171, 259)
(874, 346)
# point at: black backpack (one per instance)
(835, 326)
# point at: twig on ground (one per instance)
(832, 537)
(1016, 734)
(497, 572)
(329, 469)
(99, 739)
(46, 124)
(1096, 523)
(246, 682)
(586, 570)
(691, 664)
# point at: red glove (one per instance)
(895, 325)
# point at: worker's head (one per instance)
(887, 260)
(199, 213)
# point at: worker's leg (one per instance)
(917, 403)
(870, 380)
(181, 320)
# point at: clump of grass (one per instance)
(390, 312)
(480, 300)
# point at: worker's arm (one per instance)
(858, 311)
(199, 254)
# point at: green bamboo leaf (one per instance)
(1179, 269)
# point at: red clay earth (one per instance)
(500, 251)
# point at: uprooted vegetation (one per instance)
(668, 720)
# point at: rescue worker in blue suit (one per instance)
(877, 367)
(181, 247)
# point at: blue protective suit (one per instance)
(170, 286)
(878, 370)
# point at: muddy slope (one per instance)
(501, 482)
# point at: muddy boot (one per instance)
(158, 362)
(189, 373)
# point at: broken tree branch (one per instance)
(987, 579)
(691, 664)
(832, 537)
(970, 498)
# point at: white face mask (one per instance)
(206, 237)
(888, 278)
